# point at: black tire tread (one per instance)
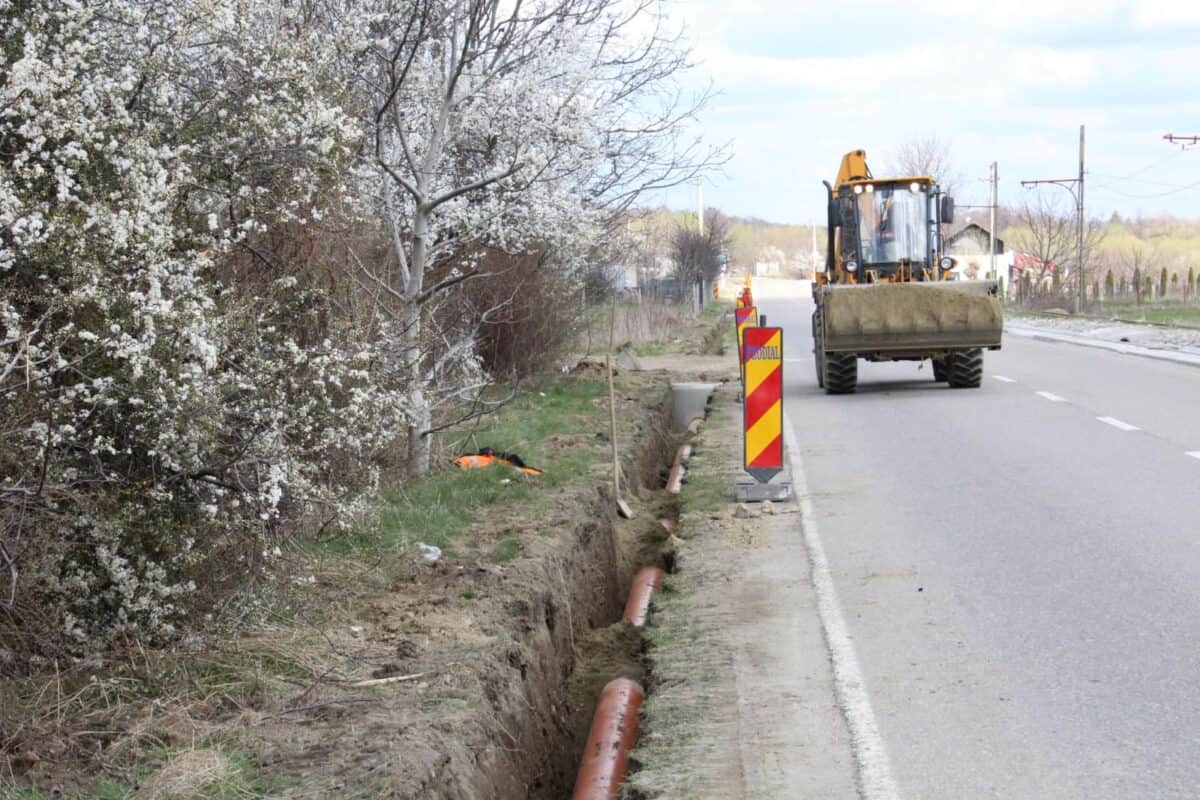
(939, 369)
(817, 354)
(964, 369)
(841, 373)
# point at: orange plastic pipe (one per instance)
(645, 583)
(614, 730)
(675, 479)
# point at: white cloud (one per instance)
(801, 83)
(1168, 14)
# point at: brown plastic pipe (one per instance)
(675, 478)
(614, 730)
(647, 581)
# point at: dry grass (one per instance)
(189, 774)
(164, 720)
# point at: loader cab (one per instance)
(885, 230)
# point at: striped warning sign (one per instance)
(746, 317)
(763, 374)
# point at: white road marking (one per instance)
(1053, 398)
(874, 769)
(1003, 379)
(1193, 453)
(1116, 423)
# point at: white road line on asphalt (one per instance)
(1193, 453)
(1053, 398)
(1116, 423)
(875, 780)
(1003, 379)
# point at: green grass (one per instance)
(1163, 313)
(506, 550)
(241, 780)
(440, 508)
(704, 492)
(658, 347)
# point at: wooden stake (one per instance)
(622, 507)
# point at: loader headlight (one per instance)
(858, 189)
(947, 262)
(851, 266)
(914, 187)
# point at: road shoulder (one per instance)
(742, 703)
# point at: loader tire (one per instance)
(841, 373)
(939, 369)
(818, 355)
(964, 369)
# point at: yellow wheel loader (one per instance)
(887, 292)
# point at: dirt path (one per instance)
(742, 703)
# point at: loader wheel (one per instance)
(964, 369)
(939, 369)
(841, 373)
(816, 334)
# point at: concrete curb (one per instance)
(1125, 348)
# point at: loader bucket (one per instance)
(911, 318)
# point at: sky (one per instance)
(800, 83)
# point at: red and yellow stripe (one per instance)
(746, 317)
(763, 375)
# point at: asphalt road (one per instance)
(1018, 566)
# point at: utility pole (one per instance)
(992, 226)
(700, 203)
(1075, 187)
(1079, 293)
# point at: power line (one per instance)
(1176, 190)
(1114, 178)
(1142, 171)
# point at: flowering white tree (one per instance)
(513, 126)
(178, 381)
(155, 415)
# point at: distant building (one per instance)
(969, 248)
(770, 261)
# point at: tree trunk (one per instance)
(417, 465)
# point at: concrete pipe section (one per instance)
(690, 401)
(614, 731)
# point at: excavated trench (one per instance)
(568, 638)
